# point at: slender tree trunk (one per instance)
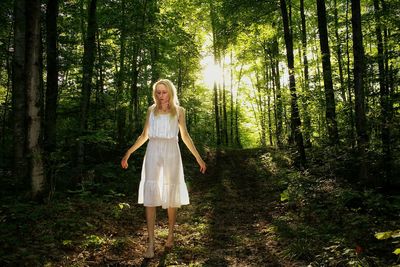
(330, 111)
(52, 77)
(225, 116)
(215, 87)
(4, 116)
(339, 53)
(237, 135)
(99, 83)
(269, 109)
(295, 116)
(121, 110)
(237, 132)
(34, 149)
(134, 91)
(19, 94)
(361, 121)
(279, 104)
(306, 89)
(260, 108)
(384, 96)
(87, 72)
(350, 104)
(154, 47)
(231, 102)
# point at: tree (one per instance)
(87, 74)
(34, 149)
(19, 94)
(52, 76)
(305, 97)
(384, 95)
(295, 114)
(361, 120)
(330, 111)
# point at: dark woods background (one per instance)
(316, 79)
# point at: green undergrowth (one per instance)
(329, 220)
(252, 208)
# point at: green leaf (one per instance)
(285, 195)
(383, 235)
(397, 251)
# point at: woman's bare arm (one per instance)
(139, 141)
(188, 140)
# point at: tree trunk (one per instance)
(216, 110)
(120, 80)
(384, 97)
(34, 149)
(215, 87)
(87, 72)
(52, 77)
(154, 48)
(279, 104)
(134, 117)
(19, 94)
(306, 89)
(99, 83)
(295, 116)
(225, 116)
(350, 105)
(330, 111)
(361, 121)
(339, 53)
(8, 68)
(231, 101)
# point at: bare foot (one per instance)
(170, 242)
(150, 251)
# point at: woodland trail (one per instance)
(230, 221)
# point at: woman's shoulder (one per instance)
(181, 110)
(151, 108)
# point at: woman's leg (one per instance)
(151, 220)
(171, 226)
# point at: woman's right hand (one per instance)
(124, 162)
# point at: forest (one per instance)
(293, 104)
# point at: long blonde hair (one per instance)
(173, 98)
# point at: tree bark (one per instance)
(295, 114)
(330, 110)
(224, 113)
(384, 97)
(52, 77)
(339, 53)
(215, 87)
(361, 121)
(306, 89)
(350, 106)
(120, 80)
(279, 104)
(87, 73)
(154, 47)
(34, 149)
(20, 168)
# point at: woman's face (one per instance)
(162, 94)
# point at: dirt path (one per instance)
(229, 220)
(228, 223)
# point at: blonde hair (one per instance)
(173, 98)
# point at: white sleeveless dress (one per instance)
(162, 182)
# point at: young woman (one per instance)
(162, 182)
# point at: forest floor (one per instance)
(239, 216)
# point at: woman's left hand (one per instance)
(202, 165)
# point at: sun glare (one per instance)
(211, 72)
